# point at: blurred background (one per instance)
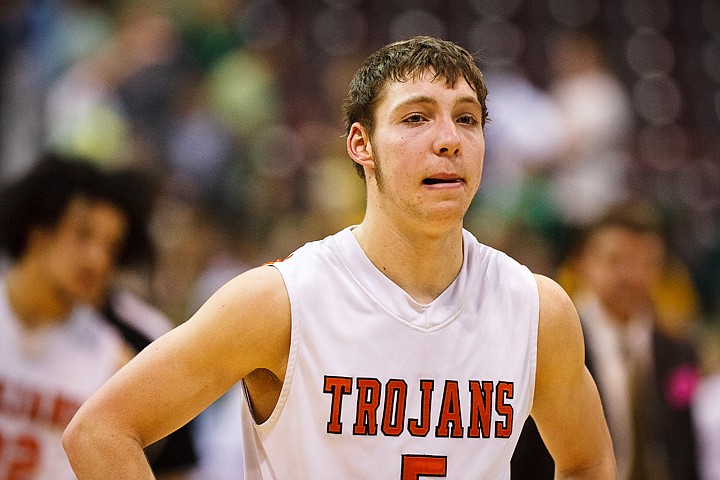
(235, 107)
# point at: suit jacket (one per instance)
(675, 368)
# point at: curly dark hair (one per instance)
(401, 61)
(41, 197)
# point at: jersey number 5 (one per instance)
(416, 466)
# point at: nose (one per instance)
(100, 256)
(636, 275)
(447, 142)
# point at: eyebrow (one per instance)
(415, 99)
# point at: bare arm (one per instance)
(567, 406)
(243, 327)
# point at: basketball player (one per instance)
(66, 225)
(54, 352)
(400, 348)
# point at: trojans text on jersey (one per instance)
(488, 410)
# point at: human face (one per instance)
(424, 157)
(81, 251)
(622, 267)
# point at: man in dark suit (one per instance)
(645, 377)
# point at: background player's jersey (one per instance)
(379, 386)
(45, 375)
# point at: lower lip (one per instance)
(444, 185)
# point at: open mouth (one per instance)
(437, 181)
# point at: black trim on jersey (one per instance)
(134, 337)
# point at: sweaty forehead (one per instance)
(426, 89)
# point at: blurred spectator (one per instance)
(200, 147)
(525, 139)
(621, 264)
(592, 172)
(113, 103)
(526, 136)
(646, 378)
(40, 40)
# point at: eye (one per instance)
(414, 118)
(467, 120)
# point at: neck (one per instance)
(33, 298)
(422, 264)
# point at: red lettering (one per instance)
(367, 405)
(450, 412)
(386, 406)
(37, 405)
(419, 427)
(480, 409)
(394, 411)
(63, 411)
(505, 391)
(337, 387)
(34, 407)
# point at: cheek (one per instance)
(63, 263)
(408, 160)
(72, 248)
(57, 249)
(479, 161)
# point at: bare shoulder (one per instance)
(554, 300)
(560, 338)
(557, 311)
(253, 311)
(566, 404)
(244, 325)
(259, 292)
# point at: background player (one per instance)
(67, 227)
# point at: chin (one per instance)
(443, 221)
(453, 212)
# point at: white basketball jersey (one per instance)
(45, 375)
(379, 386)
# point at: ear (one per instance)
(359, 147)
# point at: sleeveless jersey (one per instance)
(45, 375)
(379, 386)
